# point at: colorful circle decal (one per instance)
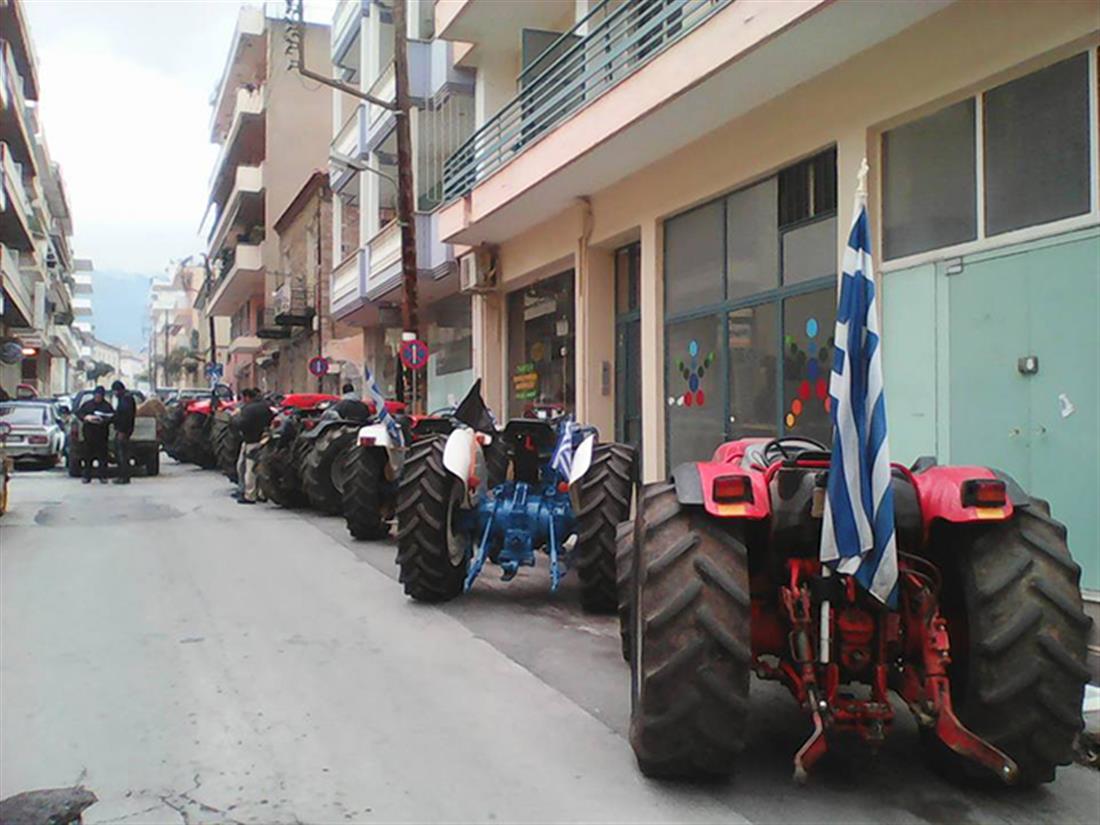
(693, 373)
(809, 367)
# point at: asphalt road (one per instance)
(191, 660)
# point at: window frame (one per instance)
(776, 296)
(984, 241)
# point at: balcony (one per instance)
(348, 284)
(243, 279)
(63, 343)
(629, 90)
(15, 127)
(345, 27)
(243, 207)
(628, 37)
(245, 65)
(246, 343)
(15, 286)
(348, 141)
(244, 141)
(16, 218)
(269, 328)
(291, 303)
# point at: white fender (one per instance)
(459, 454)
(377, 435)
(582, 459)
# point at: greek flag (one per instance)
(562, 459)
(375, 393)
(857, 535)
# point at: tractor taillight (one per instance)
(731, 489)
(366, 441)
(984, 492)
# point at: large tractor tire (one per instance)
(317, 482)
(624, 577)
(1018, 678)
(364, 482)
(277, 478)
(226, 443)
(691, 640)
(496, 462)
(433, 559)
(603, 503)
(195, 438)
(172, 424)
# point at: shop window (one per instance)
(929, 182)
(693, 259)
(627, 278)
(808, 324)
(752, 243)
(753, 370)
(693, 381)
(450, 335)
(541, 330)
(810, 251)
(1036, 140)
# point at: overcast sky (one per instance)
(124, 99)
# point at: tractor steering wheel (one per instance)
(782, 444)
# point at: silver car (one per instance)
(36, 435)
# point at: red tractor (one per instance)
(282, 451)
(720, 578)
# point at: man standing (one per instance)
(252, 420)
(95, 417)
(125, 411)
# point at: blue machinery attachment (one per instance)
(519, 518)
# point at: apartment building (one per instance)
(274, 131)
(665, 187)
(176, 339)
(83, 287)
(35, 225)
(366, 281)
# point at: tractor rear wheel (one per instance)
(276, 476)
(226, 443)
(195, 439)
(691, 640)
(603, 503)
(364, 478)
(1013, 600)
(624, 573)
(317, 466)
(432, 557)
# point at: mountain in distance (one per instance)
(120, 308)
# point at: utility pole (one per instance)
(406, 205)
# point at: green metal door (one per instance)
(1037, 421)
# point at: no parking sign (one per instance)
(414, 354)
(318, 366)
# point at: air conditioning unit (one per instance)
(477, 271)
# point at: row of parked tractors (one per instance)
(715, 574)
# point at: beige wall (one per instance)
(933, 63)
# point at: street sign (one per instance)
(214, 370)
(318, 366)
(414, 354)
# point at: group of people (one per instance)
(97, 416)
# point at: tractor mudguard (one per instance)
(939, 490)
(460, 454)
(582, 459)
(377, 436)
(694, 483)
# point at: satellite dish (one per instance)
(11, 351)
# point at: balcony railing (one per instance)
(625, 38)
(291, 302)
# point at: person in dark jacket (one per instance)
(252, 420)
(123, 422)
(95, 417)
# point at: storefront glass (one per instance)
(448, 331)
(541, 330)
(749, 312)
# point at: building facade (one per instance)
(665, 187)
(274, 131)
(36, 263)
(366, 242)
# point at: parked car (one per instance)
(37, 434)
(144, 445)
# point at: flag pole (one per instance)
(825, 630)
